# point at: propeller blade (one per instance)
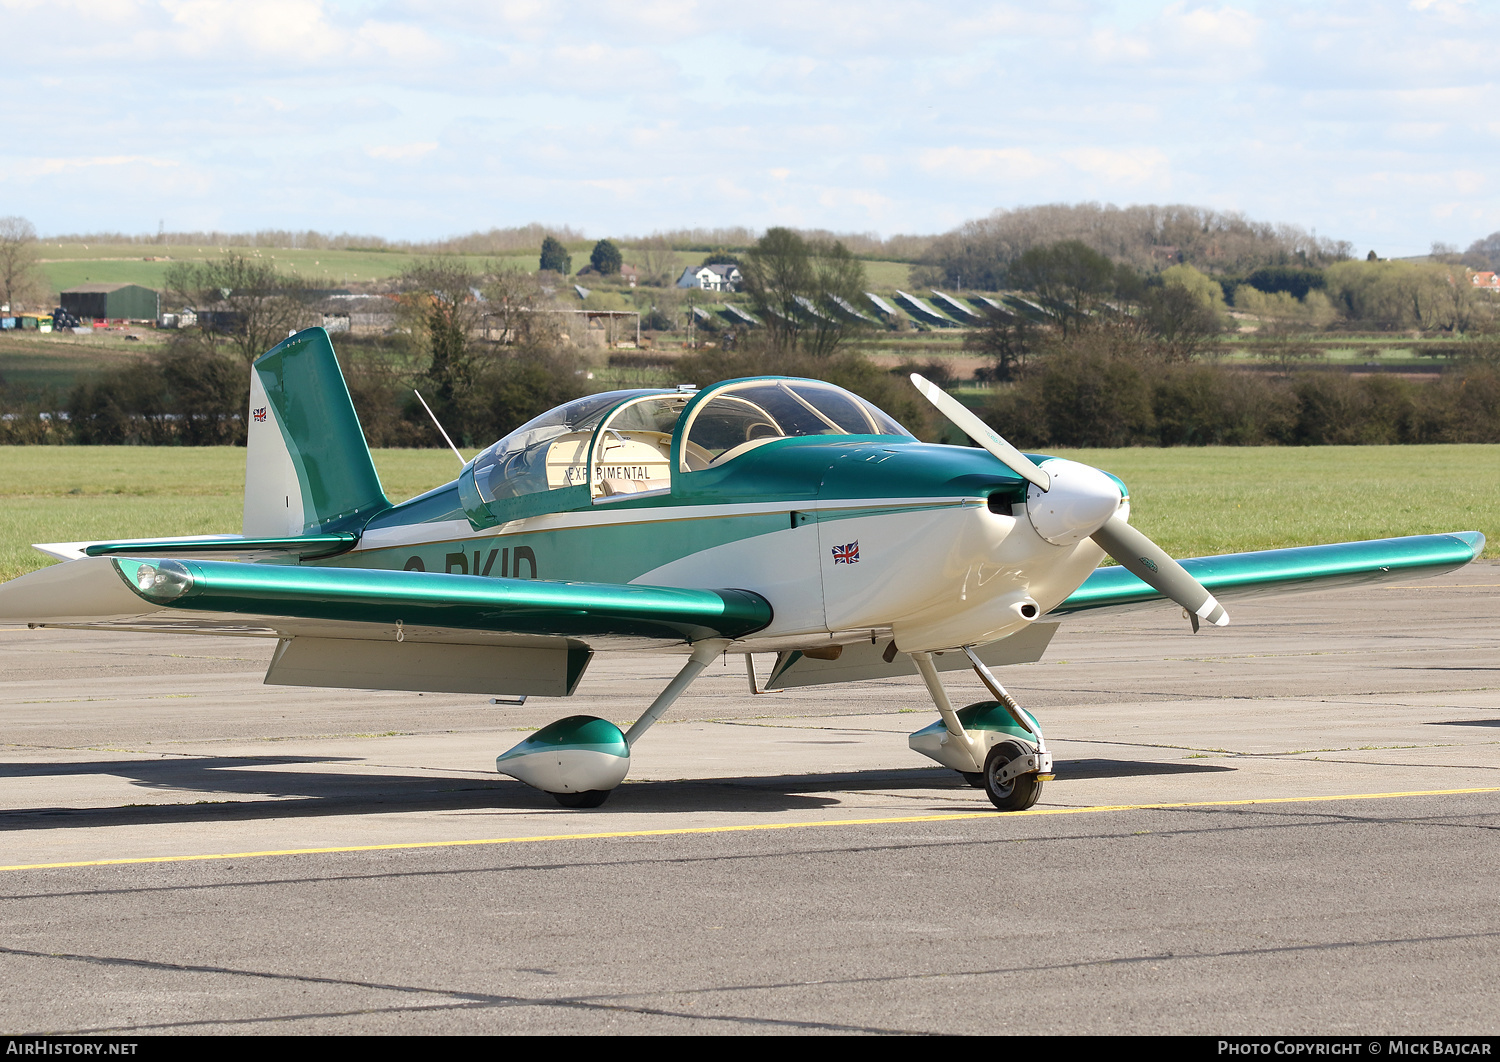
(1149, 563)
(982, 433)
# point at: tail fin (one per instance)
(307, 466)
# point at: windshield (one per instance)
(546, 452)
(743, 416)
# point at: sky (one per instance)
(1371, 121)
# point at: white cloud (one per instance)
(984, 163)
(402, 152)
(411, 117)
(46, 166)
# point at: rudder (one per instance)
(307, 465)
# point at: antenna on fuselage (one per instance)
(439, 427)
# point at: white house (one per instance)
(711, 278)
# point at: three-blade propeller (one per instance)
(1135, 552)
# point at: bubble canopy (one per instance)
(621, 443)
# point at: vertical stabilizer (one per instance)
(307, 466)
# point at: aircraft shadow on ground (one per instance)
(226, 789)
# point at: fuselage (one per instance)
(848, 537)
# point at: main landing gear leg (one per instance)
(980, 742)
(703, 655)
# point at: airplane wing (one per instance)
(376, 629)
(1280, 571)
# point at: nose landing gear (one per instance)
(996, 745)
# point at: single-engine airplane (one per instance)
(764, 515)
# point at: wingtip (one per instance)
(1474, 540)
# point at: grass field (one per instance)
(1193, 501)
(69, 264)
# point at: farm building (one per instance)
(116, 301)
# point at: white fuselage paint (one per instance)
(937, 573)
(273, 494)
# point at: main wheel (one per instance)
(1018, 794)
(974, 778)
(590, 798)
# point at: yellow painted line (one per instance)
(1092, 809)
(1442, 586)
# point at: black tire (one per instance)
(591, 798)
(1021, 792)
(974, 778)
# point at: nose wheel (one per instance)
(1010, 777)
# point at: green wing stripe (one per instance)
(1304, 567)
(461, 602)
(308, 547)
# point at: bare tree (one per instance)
(18, 274)
(517, 312)
(658, 260)
(440, 298)
(242, 301)
(793, 280)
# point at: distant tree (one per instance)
(1425, 295)
(555, 257)
(979, 253)
(1293, 280)
(793, 281)
(658, 261)
(515, 313)
(1372, 257)
(1484, 254)
(721, 257)
(438, 300)
(19, 280)
(1071, 277)
(245, 302)
(1007, 339)
(606, 258)
(1181, 323)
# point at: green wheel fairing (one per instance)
(584, 733)
(987, 715)
(460, 602)
(1266, 571)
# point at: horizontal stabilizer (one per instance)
(304, 547)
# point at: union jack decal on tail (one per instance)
(259, 415)
(846, 554)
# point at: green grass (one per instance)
(35, 361)
(83, 493)
(1194, 502)
(1198, 501)
(70, 264)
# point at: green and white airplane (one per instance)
(766, 515)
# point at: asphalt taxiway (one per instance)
(1289, 824)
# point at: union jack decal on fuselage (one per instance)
(259, 414)
(848, 554)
